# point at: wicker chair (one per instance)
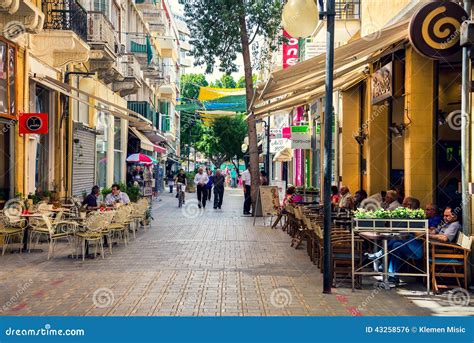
(9, 233)
(120, 224)
(92, 231)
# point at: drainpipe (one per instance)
(465, 127)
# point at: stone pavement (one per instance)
(196, 263)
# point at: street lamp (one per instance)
(300, 18)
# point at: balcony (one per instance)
(115, 73)
(143, 49)
(22, 12)
(167, 48)
(64, 37)
(185, 62)
(347, 9)
(132, 76)
(184, 45)
(145, 109)
(101, 37)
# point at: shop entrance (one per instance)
(448, 135)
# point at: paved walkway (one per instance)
(196, 263)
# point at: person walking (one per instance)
(233, 175)
(200, 180)
(170, 180)
(209, 184)
(246, 182)
(219, 180)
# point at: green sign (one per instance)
(300, 129)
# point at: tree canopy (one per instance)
(190, 84)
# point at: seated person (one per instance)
(431, 213)
(289, 196)
(345, 202)
(335, 197)
(116, 197)
(90, 202)
(359, 196)
(448, 231)
(391, 201)
(411, 203)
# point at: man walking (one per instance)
(200, 180)
(246, 182)
(219, 180)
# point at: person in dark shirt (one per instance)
(90, 202)
(219, 184)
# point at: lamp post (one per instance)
(300, 19)
(267, 155)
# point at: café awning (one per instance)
(302, 83)
(284, 155)
(145, 143)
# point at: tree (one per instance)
(241, 81)
(222, 141)
(221, 29)
(190, 84)
(226, 81)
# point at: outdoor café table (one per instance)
(385, 230)
(27, 217)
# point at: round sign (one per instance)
(34, 123)
(244, 148)
(435, 29)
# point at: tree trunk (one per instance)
(251, 122)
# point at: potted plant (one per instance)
(400, 218)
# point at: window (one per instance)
(347, 9)
(102, 6)
(116, 17)
(7, 80)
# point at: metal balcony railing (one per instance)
(131, 66)
(101, 30)
(65, 15)
(347, 9)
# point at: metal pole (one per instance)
(267, 157)
(465, 127)
(328, 118)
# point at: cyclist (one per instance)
(181, 181)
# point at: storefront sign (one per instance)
(290, 51)
(382, 84)
(278, 144)
(270, 200)
(435, 29)
(276, 133)
(286, 132)
(300, 137)
(33, 123)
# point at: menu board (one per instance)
(270, 200)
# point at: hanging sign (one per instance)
(290, 51)
(435, 29)
(278, 144)
(33, 123)
(300, 137)
(382, 84)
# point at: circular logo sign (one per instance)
(34, 123)
(435, 29)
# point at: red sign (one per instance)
(36, 123)
(286, 132)
(290, 51)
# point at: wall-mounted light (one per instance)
(397, 129)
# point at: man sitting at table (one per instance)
(116, 197)
(411, 203)
(346, 201)
(90, 202)
(391, 202)
(431, 212)
(448, 231)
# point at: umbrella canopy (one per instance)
(154, 161)
(139, 158)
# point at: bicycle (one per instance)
(180, 194)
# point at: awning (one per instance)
(145, 143)
(284, 155)
(64, 88)
(155, 136)
(303, 82)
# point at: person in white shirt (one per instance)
(246, 182)
(200, 180)
(391, 203)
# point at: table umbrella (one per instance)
(139, 158)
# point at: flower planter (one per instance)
(368, 223)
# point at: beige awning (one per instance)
(284, 155)
(303, 82)
(145, 143)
